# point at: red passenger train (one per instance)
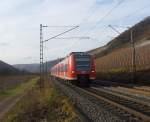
(77, 67)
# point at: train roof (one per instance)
(79, 53)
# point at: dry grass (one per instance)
(9, 82)
(122, 60)
(45, 105)
(117, 65)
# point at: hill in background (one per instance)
(114, 60)
(6, 69)
(35, 68)
(32, 68)
(141, 33)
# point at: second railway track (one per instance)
(136, 88)
(127, 106)
(134, 108)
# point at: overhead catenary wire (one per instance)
(88, 16)
(61, 34)
(137, 11)
(65, 26)
(73, 38)
(86, 19)
(107, 14)
(114, 29)
(110, 11)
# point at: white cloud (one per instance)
(19, 25)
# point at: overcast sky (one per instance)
(20, 21)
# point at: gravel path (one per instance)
(93, 111)
(8, 103)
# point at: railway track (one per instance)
(129, 107)
(145, 90)
(133, 109)
(135, 91)
(129, 93)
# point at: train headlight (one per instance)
(93, 71)
(72, 72)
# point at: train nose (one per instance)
(83, 77)
(84, 72)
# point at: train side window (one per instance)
(66, 67)
(61, 68)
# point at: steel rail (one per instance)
(143, 89)
(120, 95)
(136, 91)
(131, 111)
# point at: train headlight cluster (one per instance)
(72, 72)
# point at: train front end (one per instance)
(84, 68)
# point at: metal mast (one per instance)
(133, 68)
(133, 57)
(41, 58)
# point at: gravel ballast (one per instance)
(88, 107)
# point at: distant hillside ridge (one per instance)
(35, 68)
(140, 31)
(7, 69)
(32, 68)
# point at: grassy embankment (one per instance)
(42, 105)
(18, 89)
(12, 85)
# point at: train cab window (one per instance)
(82, 62)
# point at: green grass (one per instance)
(20, 88)
(39, 105)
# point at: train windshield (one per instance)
(82, 62)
